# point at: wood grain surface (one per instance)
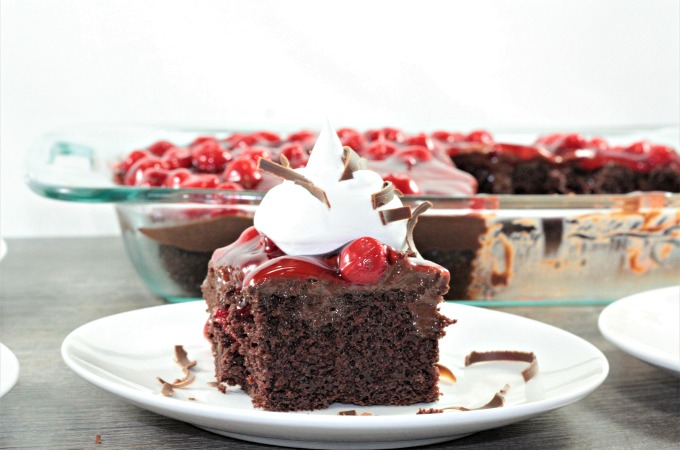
(49, 287)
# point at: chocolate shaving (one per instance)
(289, 174)
(353, 162)
(394, 214)
(284, 161)
(350, 412)
(213, 383)
(445, 372)
(496, 401)
(411, 225)
(384, 195)
(506, 355)
(183, 361)
(429, 411)
(366, 414)
(97, 438)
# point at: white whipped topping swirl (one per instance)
(300, 224)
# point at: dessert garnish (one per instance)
(496, 401)
(506, 355)
(357, 203)
(445, 372)
(285, 172)
(350, 412)
(182, 360)
(429, 411)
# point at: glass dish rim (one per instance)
(129, 195)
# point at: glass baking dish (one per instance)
(500, 249)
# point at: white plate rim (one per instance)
(472, 421)
(9, 374)
(629, 344)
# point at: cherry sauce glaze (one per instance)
(417, 163)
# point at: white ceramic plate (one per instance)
(647, 326)
(9, 370)
(124, 354)
(3, 248)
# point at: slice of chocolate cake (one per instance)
(326, 299)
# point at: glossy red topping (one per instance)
(424, 159)
(364, 261)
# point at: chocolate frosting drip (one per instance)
(353, 162)
(285, 172)
(411, 225)
(395, 214)
(506, 355)
(384, 195)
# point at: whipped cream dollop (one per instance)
(301, 224)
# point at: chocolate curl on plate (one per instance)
(353, 162)
(507, 355)
(285, 172)
(411, 225)
(496, 401)
(384, 195)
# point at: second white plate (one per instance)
(124, 354)
(647, 326)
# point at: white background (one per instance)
(269, 64)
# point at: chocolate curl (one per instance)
(182, 359)
(289, 174)
(445, 372)
(507, 355)
(284, 161)
(394, 214)
(384, 195)
(353, 162)
(411, 225)
(496, 401)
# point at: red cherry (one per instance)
(244, 172)
(388, 133)
(176, 177)
(201, 181)
(448, 136)
(248, 234)
(351, 138)
(420, 139)
(154, 176)
(135, 174)
(241, 140)
(404, 183)
(267, 136)
(639, 148)
(571, 142)
(132, 158)
(230, 187)
(363, 261)
(176, 158)
(414, 154)
(379, 150)
(210, 157)
(255, 153)
(160, 147)
(301, 136)
(597, 143)
(480, 136)
(296, 155)
(660, 154)
(201, 139)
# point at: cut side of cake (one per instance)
(296, 335)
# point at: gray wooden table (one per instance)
(49, 287)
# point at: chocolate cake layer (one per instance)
(303, 342)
